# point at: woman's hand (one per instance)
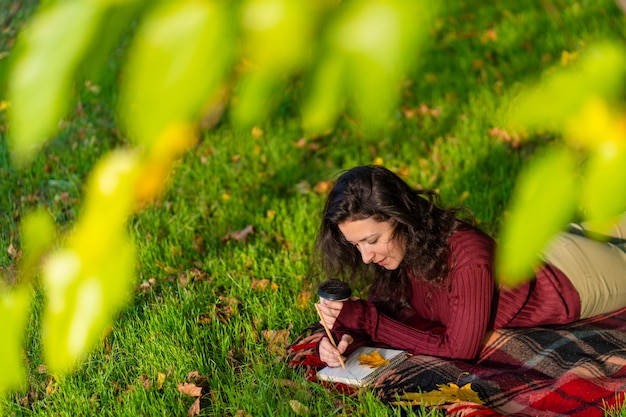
(330, 310)
(329, 354)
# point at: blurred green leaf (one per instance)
(116, 22)
(544, 201)
(564, 92)
(37, 234)
(47, 57)
(581, 102)
(89, 279)
(14, 310)
(109, 199)
(377, 38)
(277, 43)
(369, 46)
(326, 97)
(603, 191)
(178, 59)
(82, 297)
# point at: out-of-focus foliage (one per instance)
(178, 60)
(534, 217)
(89, 278)
(185, 59)
(37, 102)
(190, 58)
(14, 307)
(583, 103)
(352, 55)
(366, 44)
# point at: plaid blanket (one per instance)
(573, 370)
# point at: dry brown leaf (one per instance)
(263, 284)
(204, 318)
(421, 110)
(191, 389)
(191, 275)
(145, 287)
(144, 380)
(404, 172)
(165, 268)
(213, 109)
(194, 410)
(199, 380)
(260, 284)
(373, 359)
(409, 113)
(512, 139)
(322, 187)
(198, 244)
(226, 307)
(288, 383)
(239, 235)
(489, 36)
(304, 300)
(50, 387)
(196, 274)
(277, 340)
(301, 143)
(13, 251)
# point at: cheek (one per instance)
(398, 251)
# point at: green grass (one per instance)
(214, 325)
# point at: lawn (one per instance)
(214, 304)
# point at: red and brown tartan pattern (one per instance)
(572, 370)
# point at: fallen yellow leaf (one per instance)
(373, 359)
(160, 380)
(447, 393)
(464, 393)
(299, 408)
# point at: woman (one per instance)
(434, 291)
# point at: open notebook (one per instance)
(359, 375)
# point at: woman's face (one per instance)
(374, 241)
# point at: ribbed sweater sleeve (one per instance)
(463, 308)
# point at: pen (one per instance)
(330, 336)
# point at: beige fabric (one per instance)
(597, 269)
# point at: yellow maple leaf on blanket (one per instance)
(447, 393)
(373, 359)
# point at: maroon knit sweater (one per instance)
(452, 320)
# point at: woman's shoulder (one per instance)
(468, 232)
(471, 244)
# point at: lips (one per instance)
(382, 262)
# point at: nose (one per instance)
(367, 255)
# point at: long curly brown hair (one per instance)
(418, 218)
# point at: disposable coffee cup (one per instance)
(334, 290)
